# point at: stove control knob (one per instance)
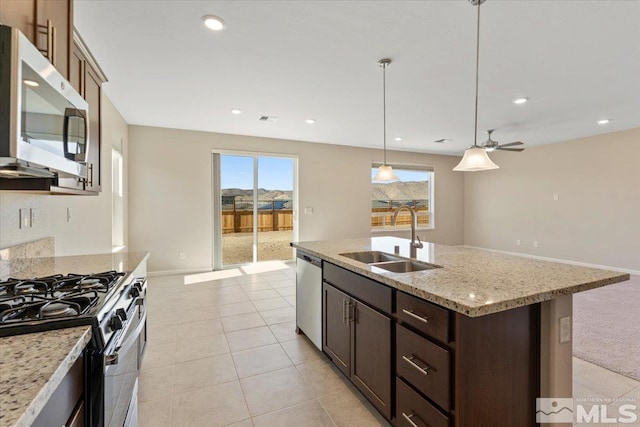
(115, 323)
(135, 292)
(121, 314)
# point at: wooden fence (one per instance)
(381, 217)
(239, 218)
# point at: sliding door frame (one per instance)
(216, 192)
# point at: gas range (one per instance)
(54, 302)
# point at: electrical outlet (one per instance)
(556, 197)
(183, 255)
(535, 244)
(518, 242)
(565, 329)
(32, 214)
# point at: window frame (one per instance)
(430, 200)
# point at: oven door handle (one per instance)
(112, 358)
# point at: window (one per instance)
(415, 189)
(117, 194)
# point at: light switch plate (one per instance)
(565, 329)
(24, 218)
(308, 211)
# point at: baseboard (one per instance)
(562, 261)
(176, 272)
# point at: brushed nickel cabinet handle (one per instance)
(410, 361)
(415, 316)
(90, 174)
(409, 419)
(344, 310)
(53, 44)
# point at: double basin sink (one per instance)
(392, 263)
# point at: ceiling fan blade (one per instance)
(511, 144)
(509, 149)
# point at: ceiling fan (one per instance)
(491, 145)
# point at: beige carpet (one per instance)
(606, 327)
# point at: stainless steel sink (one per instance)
(385, 261)
(372, 257)
(404, 266)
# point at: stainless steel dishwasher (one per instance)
(309, 297)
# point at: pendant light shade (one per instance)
(475, 158)
(385, 172)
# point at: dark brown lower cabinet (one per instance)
(422, 365)
(371, 356)
(66, 405)
(358, 340)
(337, 331)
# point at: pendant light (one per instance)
(475, 158)
(385, 172)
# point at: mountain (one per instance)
(411, 190)
(263, 194)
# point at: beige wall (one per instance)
(170, 210)
(90, 228)
(595, 219)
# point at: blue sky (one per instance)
(274, 173)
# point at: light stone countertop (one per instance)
(471, 281)
(31, 368)
(22, 268)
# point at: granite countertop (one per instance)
(471, 281)
(79, 264)
(31, 368)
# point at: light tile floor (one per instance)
(225, 353)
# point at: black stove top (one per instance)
(53, 302)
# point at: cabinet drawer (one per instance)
(424, 365)
(414, 411)
(366, 290)
(424, 316)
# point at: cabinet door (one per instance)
(92, 96)
(19, 14)
(59, 14)
(77, 70)
(371, 356)
(337, 329)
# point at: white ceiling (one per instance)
(578, 61)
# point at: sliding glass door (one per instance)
(254, 206)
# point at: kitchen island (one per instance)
(470, 340)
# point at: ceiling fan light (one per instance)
(475, 159)
(385, 174)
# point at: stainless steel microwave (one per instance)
(43, 120)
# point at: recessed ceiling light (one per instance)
(520, 100)
(604, 121)
(442, 141)
(213, 22)
(31, 83)
(310, 121)
(236, 111)
(397, 138)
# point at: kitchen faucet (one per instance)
(414, 224)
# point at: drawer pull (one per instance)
(410, 361)
(409, 419)
(415, 316)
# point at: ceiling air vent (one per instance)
(268, 119)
